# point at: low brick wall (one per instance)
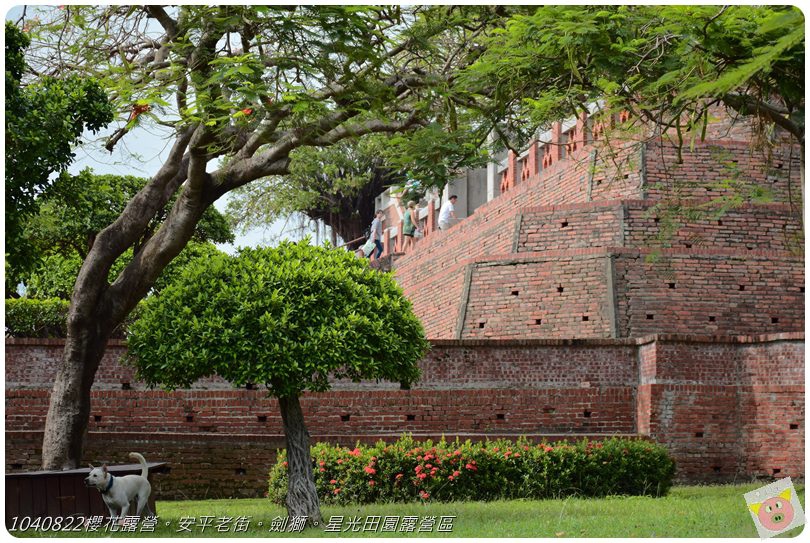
(727, 408)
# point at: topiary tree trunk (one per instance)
(302, 496)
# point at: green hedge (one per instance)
(408, 470)
(36, 318)
(46, 318)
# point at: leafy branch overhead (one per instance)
(666, 64)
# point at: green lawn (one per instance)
(688, 511)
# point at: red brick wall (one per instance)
(708, 292)
(711, 169)
(581, 204)
(638, 223)
(726, 409)
(538, 296)
(744, 394)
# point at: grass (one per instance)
(688, 511)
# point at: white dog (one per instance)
(118, 492)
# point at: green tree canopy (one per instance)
(666, 64)
(290, 318)
(45, 118)
(287, 317)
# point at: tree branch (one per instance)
(748, 105)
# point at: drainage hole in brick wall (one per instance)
(481, 324)
(712, 319)
(698, 434)
(410, 417)
(794, 426)
(719, 223)
(716, 469)
(548, 409)
(97, 418)
(656, 220)
(801, 289)
(240, 471)
(777, 470)
(249, 386)
(345, 418)
(650, 316)
(778, 165)
(189, 418)
(586, 414)
(16, 466)
(671, 285)
(584, 318)
(742, 287)
(564, 224)
(560, 289)
(750, 248)
(688, 245)
(500, 416)
(125, 386)
(774, 320)
(261, 418)
(538, 321)
(515, 292)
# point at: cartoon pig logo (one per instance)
(775, 513)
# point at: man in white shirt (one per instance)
(447, 212)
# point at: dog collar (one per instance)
(109, 485)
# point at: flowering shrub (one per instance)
(408, 470)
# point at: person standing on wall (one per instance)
(409, 225)
(376, 233)
(447, 212)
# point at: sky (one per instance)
(141, 153)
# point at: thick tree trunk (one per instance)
(302, 497)
(69, 408)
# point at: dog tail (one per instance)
(142, 461)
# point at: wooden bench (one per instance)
(63, 493)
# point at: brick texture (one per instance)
(725, 407)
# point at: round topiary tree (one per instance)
(289, 317)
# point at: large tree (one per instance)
(335, 185)
(667, 65)
(240, 88)
(45, 119)
(72, 211)
(290, 318)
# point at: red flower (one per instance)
(335, 491)
(424, 495)
(471, 467)
(322, 470)
(371, 483)
(284, 464)
(370, 470)
(428, 466)
(322, 464)
(450, 477)
(421, 475)
(517, 455)
(399, 476)
(340, 461)
(525, 447)
(457, 452)
(333, 482)
(418, 469)
(247, 111)
(456, 473)
(355, 452)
